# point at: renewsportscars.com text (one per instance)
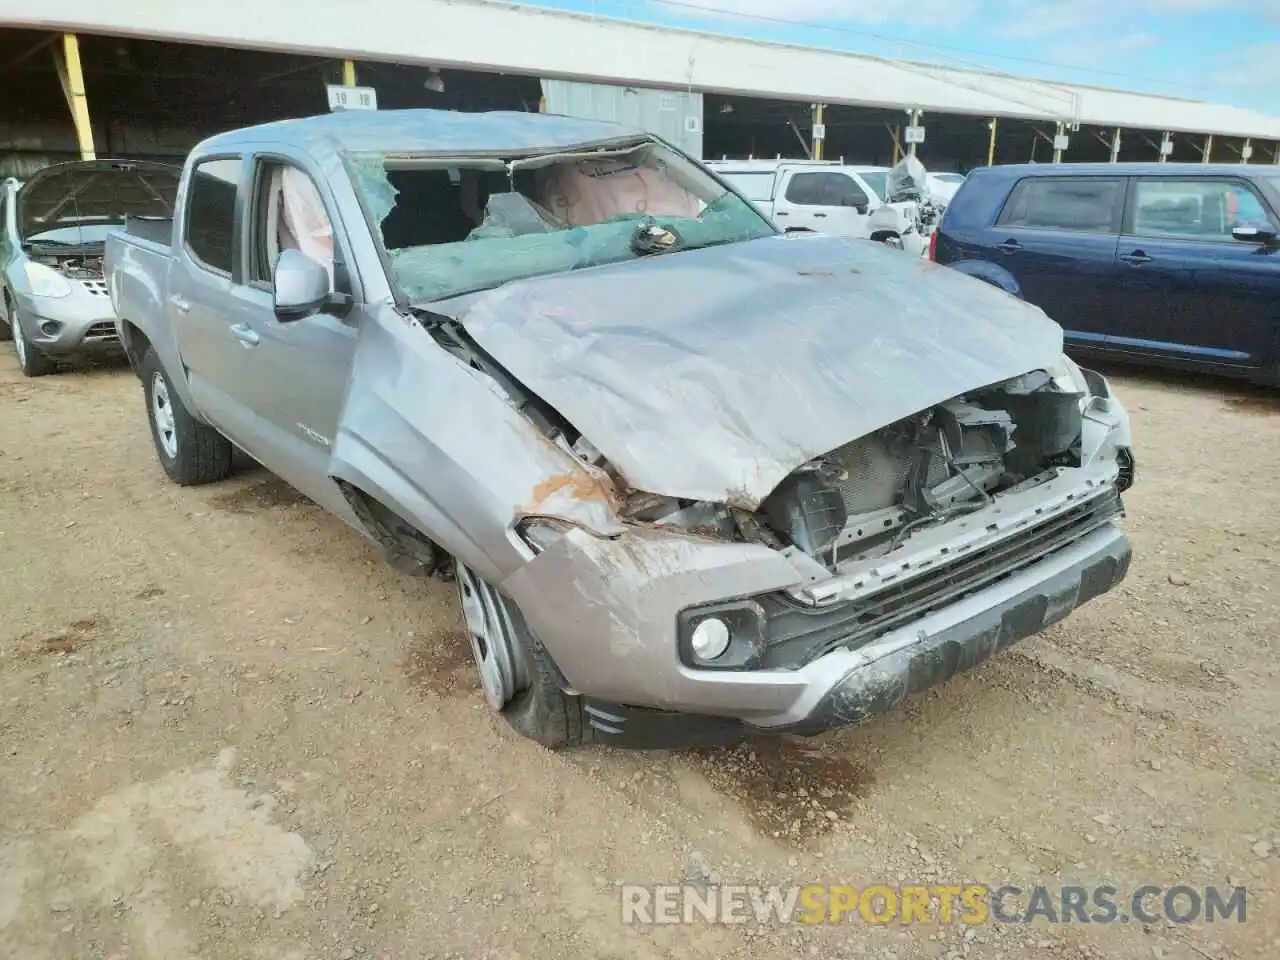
(969, 904)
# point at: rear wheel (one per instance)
(889, 240)
(191, 452)
(516, 674)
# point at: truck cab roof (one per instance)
(429, 132)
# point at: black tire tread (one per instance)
(204, 455)
(544, 712)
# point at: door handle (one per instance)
(245, 334)
(1135, 258)
(782, 213)
(1009, 246)
(819, 214)
(180, 305)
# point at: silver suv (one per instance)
(52, 232)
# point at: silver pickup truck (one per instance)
(694, 479)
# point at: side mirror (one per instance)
(860, 209)
(1254, 232)
(301, 286)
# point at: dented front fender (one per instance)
(439, 443)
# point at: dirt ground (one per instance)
(227, 730)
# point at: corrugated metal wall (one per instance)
(674, 115)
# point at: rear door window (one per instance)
(1204, 209)
(824, 190)
(805, 189)
(876, 181)
(1078, 205)
(211, 209)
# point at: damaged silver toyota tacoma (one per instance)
(694, 479)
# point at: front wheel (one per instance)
(191, 452)
(891, 240)
(32, 362)
(516, 674)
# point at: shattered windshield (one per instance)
(453, 226)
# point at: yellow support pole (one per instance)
(897, 144)
(991, 144)
(817, 122)
(915, 122)
(1208, 149)
(76, 98)
(348, 73)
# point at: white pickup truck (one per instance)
(825, 197)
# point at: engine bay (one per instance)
(865, 499)
(79, 263)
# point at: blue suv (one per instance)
(1175, 264)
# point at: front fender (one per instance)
(439, 444)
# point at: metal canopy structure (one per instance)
(508, 38)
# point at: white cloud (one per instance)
(1256, 67)
(1105, 52)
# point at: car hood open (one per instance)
(712, 374)
(95, 191)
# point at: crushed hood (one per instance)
(712, 374)
(95, 191)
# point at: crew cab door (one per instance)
(1057, 237)
(824, 201)
(198, 292)
(1215, 299)
(295, 372)
(275, 389)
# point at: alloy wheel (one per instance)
(162, 416)
(492, 637)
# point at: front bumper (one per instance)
(849, 686)
(607, 610)
(82, 322)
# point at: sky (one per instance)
(1227, 51)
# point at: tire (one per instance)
(31, 361)
(531, 694)
(190, 452)
(6, 328)
(891, 240)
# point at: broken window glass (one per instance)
(465, 227)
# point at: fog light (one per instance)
(50, 328)
(709, 639)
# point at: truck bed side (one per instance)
(137, 263)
